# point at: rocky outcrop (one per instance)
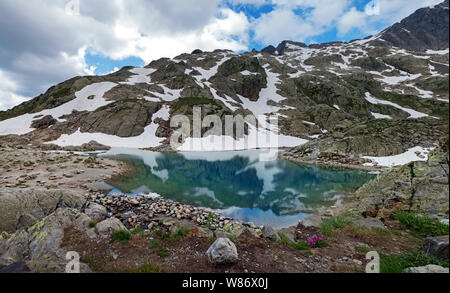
(91, 146)
(43, 122)
(123, 118)
(23, 208)
(40, 245)
(222, 252)
(377, 138)
(418, 187)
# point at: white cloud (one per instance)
(42, 45)
(7, 89)
(369, 21)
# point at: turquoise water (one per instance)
(238, 184)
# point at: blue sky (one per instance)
(100, 36)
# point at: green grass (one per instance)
(177, 235)
(396, 263)
(297, 245)
(122, 236)
(329, 226)
(138, 231)
(162, 252)
(92, 224)
(61, 93)
(154, 243)
(423, 225)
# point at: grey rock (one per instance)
(436, 247)
(40, 244)
(370, 223)
(288, 233)
(222, 252)
(109, 226)
(233, 228)
(270, 233)
(444, 221)
(429, 269)
(95, 211)
(219, 233)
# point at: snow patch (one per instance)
(413, 154)
(412, 113)
(380, 116)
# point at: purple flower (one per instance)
(313, 240)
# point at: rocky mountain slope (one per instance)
(382, 96)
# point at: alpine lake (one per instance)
(237, 184)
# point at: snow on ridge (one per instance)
(412, 113)
(90, 98)
(413, 154)
(246, 72)
(141, 75)
(394, 80)
(437, 52)
(380, 116)
(208, 73)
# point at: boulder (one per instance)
(23, 208)
(109, 226)
(96, 212)
(429, 269)
(270, 233)
(436, 247)
(288, 233)
(222, 252)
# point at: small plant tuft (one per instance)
(122, 236)
(423, 225)
(332, 224)
(397, 263)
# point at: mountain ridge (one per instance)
(323, 94)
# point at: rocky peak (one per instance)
(279, 50)
(425, 29)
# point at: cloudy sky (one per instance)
(44, 42)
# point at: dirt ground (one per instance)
(345, 252)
